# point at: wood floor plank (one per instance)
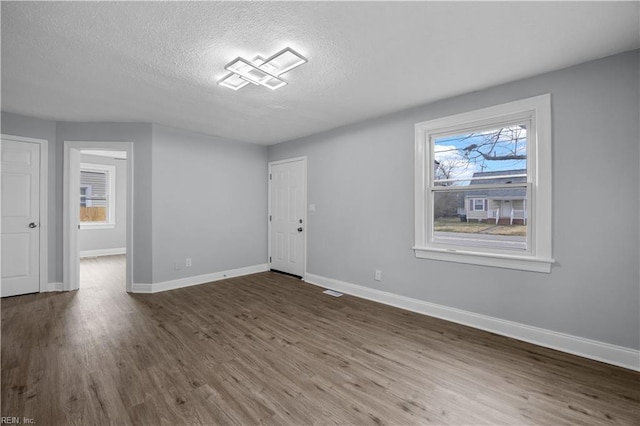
(268, 349)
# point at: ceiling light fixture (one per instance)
(260, 71)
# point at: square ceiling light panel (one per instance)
(251, 72)
(283, 61)
(260, 71)
(233, 81)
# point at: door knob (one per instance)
(299, 229)
(33, 225)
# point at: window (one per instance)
(85, 191)
(97, 205)
(478, 204)
(483, 186)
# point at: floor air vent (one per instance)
(332, 293)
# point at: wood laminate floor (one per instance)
(269, 349)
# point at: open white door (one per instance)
(20, 217)
(287, 214)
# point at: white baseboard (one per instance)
(103, 252)
(141, 288)
(198, 279)
(53, 287)
(592, 349)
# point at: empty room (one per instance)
(296, 213)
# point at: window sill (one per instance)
(523, 263)
(97, 225)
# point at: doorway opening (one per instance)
(98, 213)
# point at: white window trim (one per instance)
(111, 201)
(538, 258)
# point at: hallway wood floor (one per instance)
(270, 349)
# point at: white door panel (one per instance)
(15, 196)
(288, 197)
(20, 208)
(13, 265)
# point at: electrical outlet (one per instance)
(187, 262)
(378, 275)
(177, 266)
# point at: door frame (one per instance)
(304, 213)
(44, 209)
(71, 173)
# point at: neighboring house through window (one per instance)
(85, 193)
(97, 195)
(502, 205)
(483, 186)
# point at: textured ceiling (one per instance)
(160, 61)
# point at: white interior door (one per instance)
(287, 216)
(20, 218)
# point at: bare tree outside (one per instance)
(486, 159)
(504, 148)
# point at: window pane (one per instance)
(497, 221)
(494, 156)
(93, 214)
(93, 196)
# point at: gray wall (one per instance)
(30, 127)
(209, 204)
(108, 238)
(210, 196)
(140, 135)
(360, 178)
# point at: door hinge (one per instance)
(269, 259)
(269, 218)
(270, 176)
